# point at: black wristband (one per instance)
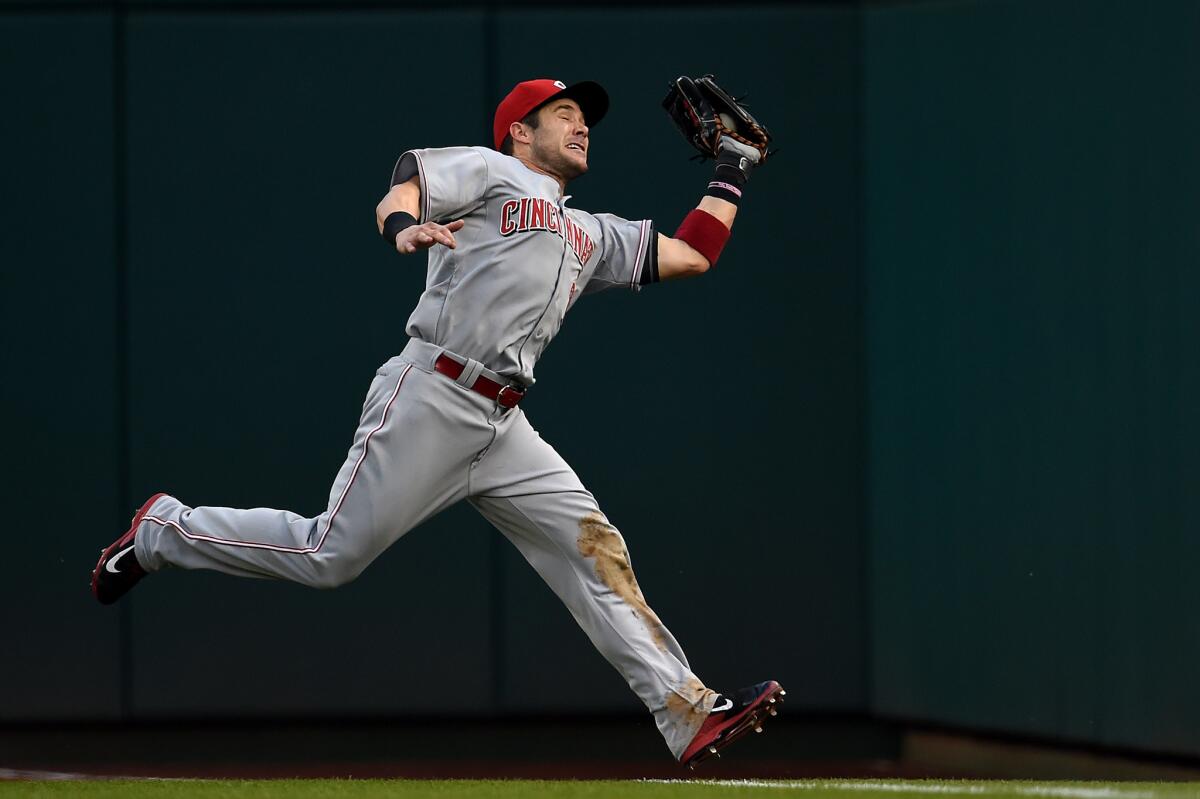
(724, 190)
(396, 222)
(729, 179)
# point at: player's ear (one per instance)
(520, 133)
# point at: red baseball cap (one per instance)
(531, 94)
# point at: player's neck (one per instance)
(562, 183)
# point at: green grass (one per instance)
(513, 789)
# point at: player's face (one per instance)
(560, 142)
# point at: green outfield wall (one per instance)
(1032, 255)
(922, 446)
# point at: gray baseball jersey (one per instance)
(426, 441)
(523, 257)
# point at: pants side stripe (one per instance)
(328, 524)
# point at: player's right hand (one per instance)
(422, 237)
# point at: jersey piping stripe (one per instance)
(640, 260)
(320, 542)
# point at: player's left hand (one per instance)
(422, 237)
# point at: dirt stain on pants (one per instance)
(689, 707)
(600, 540)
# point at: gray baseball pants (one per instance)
(423, 443)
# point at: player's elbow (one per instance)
(402, 197)
(693, 262)
(679, 259)
(381, 214)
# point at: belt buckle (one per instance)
(500, 396)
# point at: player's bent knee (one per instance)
(334, 572)
(331, 579)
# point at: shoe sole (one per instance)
(120, 543)
(753, 719)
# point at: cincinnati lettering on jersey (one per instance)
(535, 213)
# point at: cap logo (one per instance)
(559, 84)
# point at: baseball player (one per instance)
(508, 256)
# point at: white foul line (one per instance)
(1070, 791)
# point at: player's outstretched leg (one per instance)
(584, 561)
(527, 491)
(416, 438)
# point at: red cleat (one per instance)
(118, 569)
(733, 716)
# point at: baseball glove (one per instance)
(704, 112)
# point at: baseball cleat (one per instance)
(118, 569)
(743, 710)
